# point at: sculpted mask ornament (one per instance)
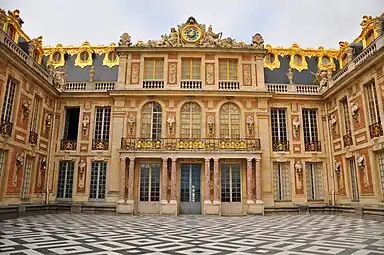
(355, 111)
(250, 123)
(85, 125)
(337, 167)
(361, 164)
(361, 161)
(333, 124)
(299, 174)
(20, 159)
(171, 125)
(131, 124)
(211, 126)
(290, 75)
(296, 126)
(48, 121)
(26, 108)
(43, 165)
(125, 40)
(338, 173)
(257, 41)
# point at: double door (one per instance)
(190, 189)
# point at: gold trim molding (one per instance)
(276, 63)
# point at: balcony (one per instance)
(153, 84)
(33, 138)
(229, 85)
(191, 84)
(100, 144)
(375, 130)
(347, 140)
(98, 86)
(68, 145)
(6, 128)
(180, 144)
(312, 146)
(282, 145)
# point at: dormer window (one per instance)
(84, 56)
(112, 56)
(270, 58)
(298, 59)
(56, 57)
(325, 61)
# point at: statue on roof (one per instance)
(125, 40)
(321, 76)
(3, 18)
(378, 24)
(257, 41)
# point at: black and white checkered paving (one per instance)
(100, 234)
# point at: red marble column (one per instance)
(207, 181)
(122, 179)
(131, 177)
(216, 177)
(173, 179)
(249, 179)
(164, 186)
(258, 180)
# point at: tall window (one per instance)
(190, 120)
(153, 69)
(151, 117)
(310, 125)
(230, 183)
(2, 163)
(354, 185)
(347, 123)
(150, 182)
(230, 121)
(65, 182)
(98, 180)
(35, 115)
(314, 181)
(6, 114)
(228, 69)
(190, 69)
(282, 181)
(26, 177)
(103, 119)
(373, 106)
(279, 128)
(381, 168)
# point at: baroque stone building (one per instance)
(192, 123)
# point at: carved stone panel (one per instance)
(172, 73)
(209, 74)
(247, 75)
(171, 125)
(85, 125)
(339, 173)
(358, 117)
(364, 172)
(135, 72)
(81, 175)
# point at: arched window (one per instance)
(190, 120)
(229, 121)
(151, 115)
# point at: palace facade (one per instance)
(192, 123)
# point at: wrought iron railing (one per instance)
(33, 138)
(181, 144)
(347, 140)
(312, 146)
(375, 130)
(280, 145)
(6, 128)
(100, 144)
(68, 145)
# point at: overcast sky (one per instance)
(310, 23)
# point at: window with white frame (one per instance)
(373, 105)
(150, 182)
(310, 125)
(347, 123)
(190, 69)
(151, 117)
(230, 183)
(354, 185)
(2, 163)
(229, 121)
(282, 181)
(102, 123)
(6, 114)
(279, 126)
(153, 69)
(35, 115)
(381, 168)
(98, 180)
(190, 120)
(314, 181)
(26, 178)
(228, 69)
(65, 179)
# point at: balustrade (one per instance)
(191, 84)
(153, 84)
(229, 85)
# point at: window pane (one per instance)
(8, 101)
(282, 181)
(229, 121)
(190, 120)
(236, 184)
(225, 183)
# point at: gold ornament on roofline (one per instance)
(84, 55)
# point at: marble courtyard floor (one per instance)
(101, 234)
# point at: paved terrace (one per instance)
(101, 234)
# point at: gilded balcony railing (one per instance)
(6, 128)
(100, 144)
(181, 144)
(312, 146)
(375, 130)
(68, 145)
(280, 145)
(347, 140)
(33, 138)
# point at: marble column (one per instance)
(122, 179)
(216, 196)
(258, 180)
(249, 180)
(131, 175)
(164, 186)
(207, 181)
(173, 180)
